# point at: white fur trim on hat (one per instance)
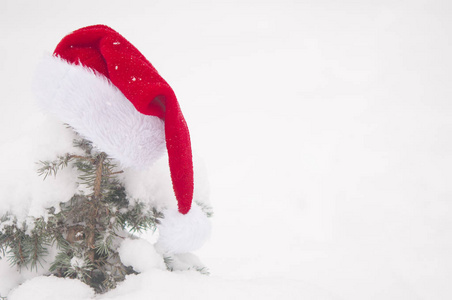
(180, 233)
(96, 109)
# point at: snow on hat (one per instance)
(102, 86)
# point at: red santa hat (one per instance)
(101, 85)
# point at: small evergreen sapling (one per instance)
(87, 230)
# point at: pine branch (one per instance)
(81, 157)
(20, 253)
(206, 209)
(115, 173)
(49, 168)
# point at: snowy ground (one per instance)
(325, 127)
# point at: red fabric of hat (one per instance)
(108, 53)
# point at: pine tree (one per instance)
(87, 230)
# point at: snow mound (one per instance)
(52, 288)
(158, 284)
(140, 254)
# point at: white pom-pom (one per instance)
(180, 233)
